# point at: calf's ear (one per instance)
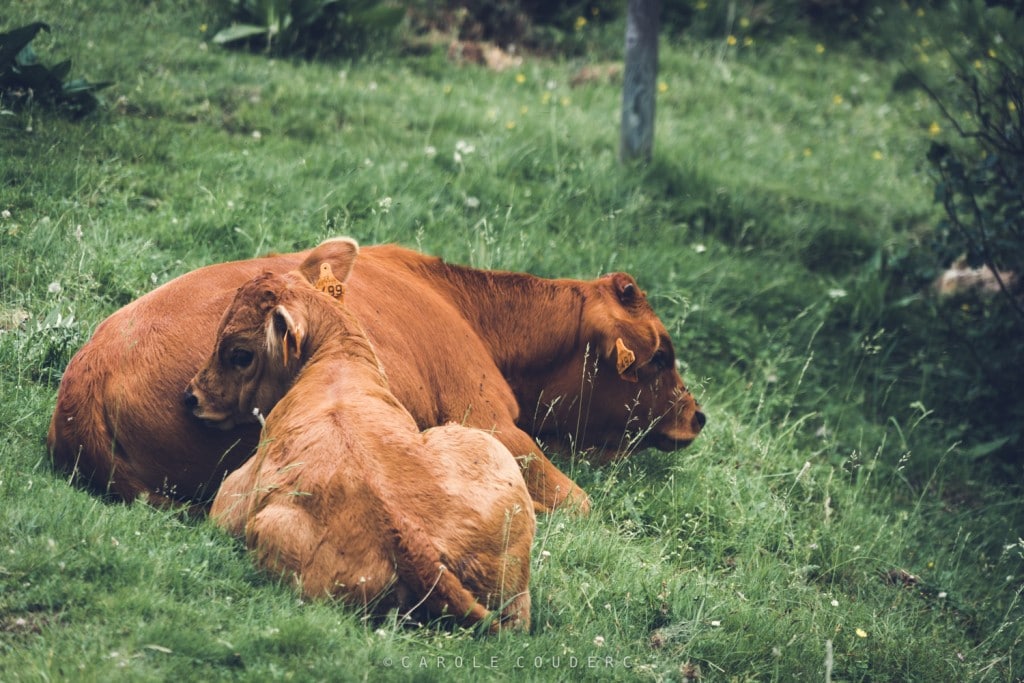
(339, 253)
(284, 333)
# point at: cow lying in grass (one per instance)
(570, 361)
(344, 493)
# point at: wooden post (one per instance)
(639, 80)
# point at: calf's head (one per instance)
(630, 394)
(259, 346)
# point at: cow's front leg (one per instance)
(548, 486)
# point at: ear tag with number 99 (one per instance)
(329, 284)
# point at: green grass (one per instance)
(784, 179)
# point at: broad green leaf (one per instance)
(15, 41)
(81, 85)
(987, 448)
(238, 32)
(61, 71)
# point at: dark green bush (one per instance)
(980, 176)
(309, 28)
(23, 79)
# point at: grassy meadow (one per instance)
(829, 524)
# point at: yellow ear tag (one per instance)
(623, 357)
(329, 284)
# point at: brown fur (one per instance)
(509, 352)
(345, 494)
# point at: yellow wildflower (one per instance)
(1011, 105)
(819, 48)
(748, 41)
(744, 22)
(580, 23)
(934, 129)
(565, 101)
(978, 64)
(837, 100)
(861, 633)
(202, 28)
(520, 78)
(663, 87)
(702, 5)
(807, 151)
(991, 53)
(510, 125)
(731, 40)
(877, 156)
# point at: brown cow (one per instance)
(508, 352)
(344, 493)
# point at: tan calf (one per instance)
(345, 494)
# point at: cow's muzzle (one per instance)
(674, 439)
(193, 404)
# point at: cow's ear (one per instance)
(625, 361)
(626, 289)
(339, 253)
(284, 335)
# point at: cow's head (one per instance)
(623, 391)
(259, 346)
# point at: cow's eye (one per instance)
(241, 358)
(661, 360)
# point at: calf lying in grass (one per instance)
(345, 494)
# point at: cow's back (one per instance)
(119, 420)
(436, 364)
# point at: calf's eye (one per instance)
(241, 358)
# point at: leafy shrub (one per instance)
(980, 175)
(308, 28)
(24, 80)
